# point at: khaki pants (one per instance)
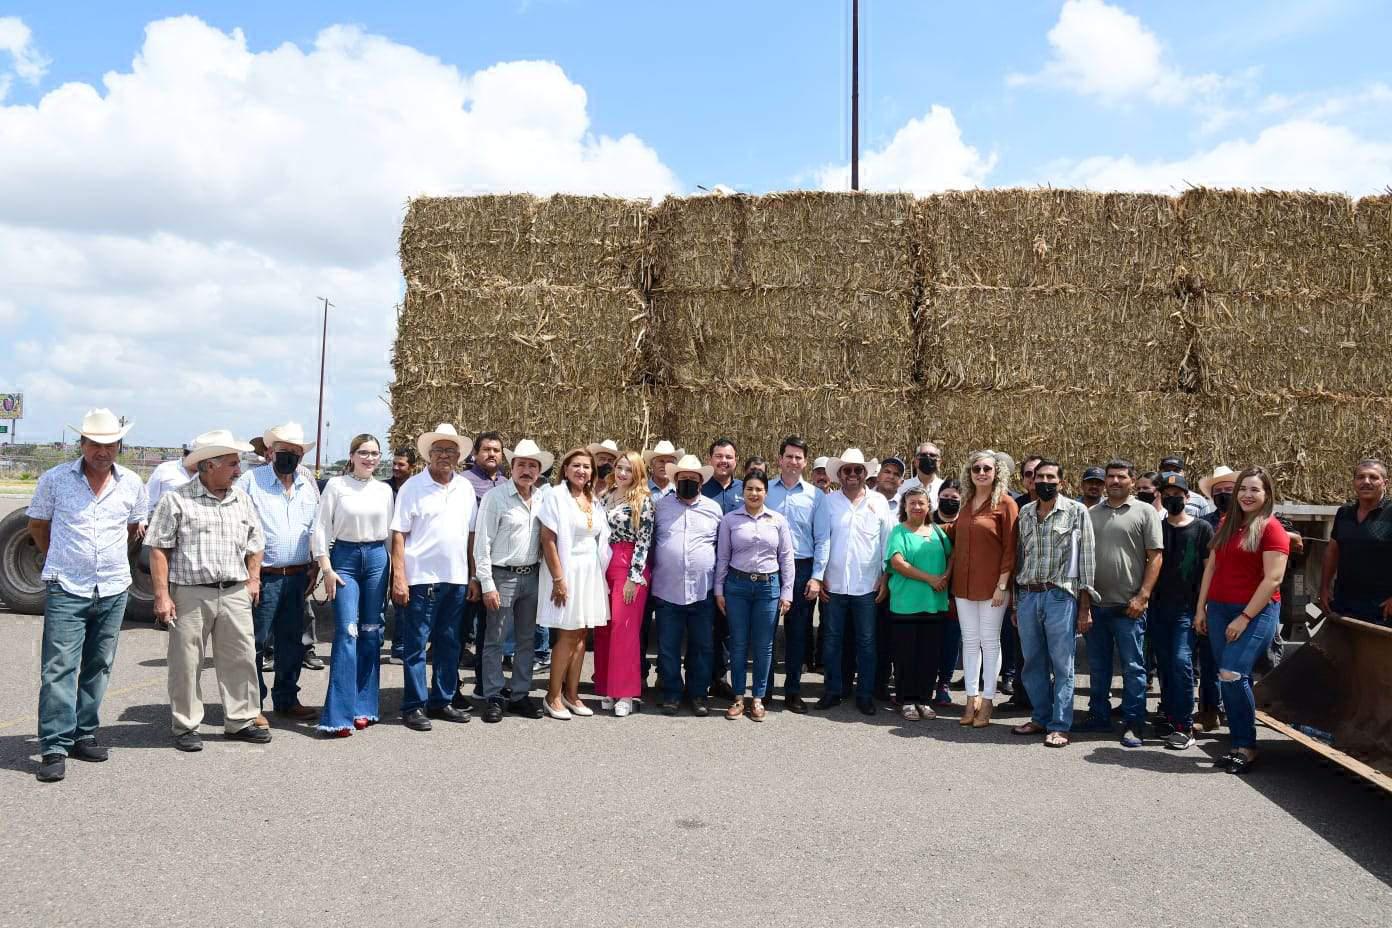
(204, 614)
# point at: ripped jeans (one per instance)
(355, 666)
(1235, 660)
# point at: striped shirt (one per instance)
(208, 538)
(1057, 549)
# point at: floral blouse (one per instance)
(620, 516)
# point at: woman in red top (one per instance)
(1240, 603)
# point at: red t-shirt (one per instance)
(1238, 572)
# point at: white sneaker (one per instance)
(622, 708)
(606, 703)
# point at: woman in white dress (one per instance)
(572, 595)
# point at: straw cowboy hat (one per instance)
(291, 433)
(102, 427)
(662, 449)
(820, 463)
(608, 446)
(528, 450)
(1220, 473)
(444, 432)
(851, 457)
(214, 444)
(691, 464)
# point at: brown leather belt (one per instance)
(1037, 587)
(290, 571)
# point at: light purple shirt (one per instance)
(756, 546)
(684, 549)
(482, 483)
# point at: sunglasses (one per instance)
(982, 469)
(854, 471)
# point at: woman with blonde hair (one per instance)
(571, 596)
(629, 509)
(1239, 605)
(983, 559)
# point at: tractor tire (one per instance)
(22, 588)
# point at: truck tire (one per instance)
(22, 588)
(140, 601)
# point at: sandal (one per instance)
(1056, 739)
(1028, 728)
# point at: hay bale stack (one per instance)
(1375, 224)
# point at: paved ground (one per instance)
(825, 819)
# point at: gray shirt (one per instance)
(506, 533)
(1122, 536)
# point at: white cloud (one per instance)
(173, 228)
(1300, 154)
(26, 62)
(926, 155)
(1103, 51)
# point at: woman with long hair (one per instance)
(1240, 603)
(983, 560)
(571, 595)
(629, 509)
(918, 561)
(350, 543)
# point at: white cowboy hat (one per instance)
(608, 446)
(291, 433)
(102, 427)
(527, 449)
(662, 449)
(820, 463)
(1220, 473)
(214, 444)
(851, 457)
(691, 464)
(872, 467)
(444, 432)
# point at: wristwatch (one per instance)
(1000, 587)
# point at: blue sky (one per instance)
(254, 160)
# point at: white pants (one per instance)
(981, 650)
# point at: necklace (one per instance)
(587, 507)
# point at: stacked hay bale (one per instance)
(524, 315)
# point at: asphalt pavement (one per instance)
(827, 819)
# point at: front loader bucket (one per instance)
(1339, 682)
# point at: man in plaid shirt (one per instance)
(1054, 585)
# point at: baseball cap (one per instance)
(1171, 462)
(1094, 473)
(1174, 480)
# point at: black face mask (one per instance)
(1174, 505)
(688, 488)
(927, 465)
(1146, 496)
(949, 507)
(1222, 501)
(1046, 491)
(604, 471)
(285, 462)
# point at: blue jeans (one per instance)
(355, 666)
(1172, 636)
(1112, 626)
(695, 623)
(435, 615)
(541, 643)
(279, 617)
(860, 612)
(79, 647)
(797, 629)
(752, 612)
(1048, 623)
(1237, 657)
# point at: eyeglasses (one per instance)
(854, 471)
(444, 452)
(982, 469)
(368, 454)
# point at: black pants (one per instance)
(917, 651)
(884, 648)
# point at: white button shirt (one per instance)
(88, 534)
(506, 533)
(168, 476)
(850, 539)
(436, 521)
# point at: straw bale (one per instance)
(797, 239)
(1011, 338)
(1045, 238)
(533, 334)
(1308, 444)
(1375, 223)
(1296, 343)
(1238, 240)
(798, 337)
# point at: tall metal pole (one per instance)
(323, 352)
(855, 94)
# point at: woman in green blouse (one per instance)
(917, 560)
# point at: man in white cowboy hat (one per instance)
(431, 564)
(169, 475)
(205, 544)
(683, 582)
(82, 517)
(820, 478)
(507, 552)
(659, 460)
(605, 453)
(850, 528)
(286, 499)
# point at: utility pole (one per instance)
(855, 94)
(323, 352)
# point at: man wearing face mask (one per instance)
(1196, 504)
(286, 500)
(927, 460)
(1170, 622)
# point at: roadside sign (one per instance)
(4, 429)
(11, 405)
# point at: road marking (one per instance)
(11, 723)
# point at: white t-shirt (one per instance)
(351, 510)
(932, 488)
(168, 476)
(436, 521)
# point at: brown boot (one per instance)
(1206, 720)
(983, 713)
(969, 716)
(757, 711)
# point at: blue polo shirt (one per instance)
(727, 498)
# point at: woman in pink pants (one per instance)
(629, 508)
